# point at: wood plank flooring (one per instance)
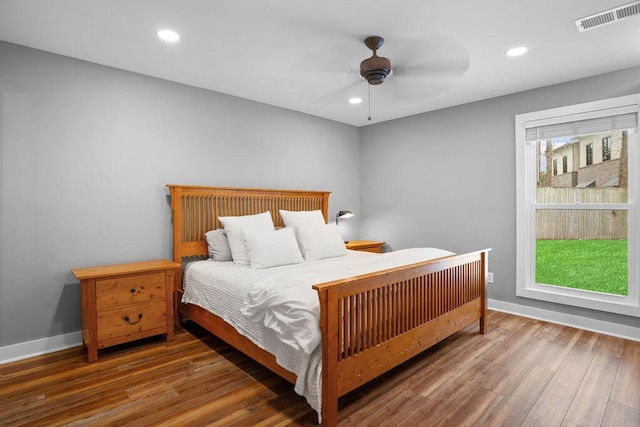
(523, 372)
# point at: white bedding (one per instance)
(278, 310)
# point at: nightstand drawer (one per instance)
(374, 249)
(131, 319)
(127, 290)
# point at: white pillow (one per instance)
(272, 248)
(296, 218)
(238, 247)
(218, 245)
(320, 242)
(235, 225)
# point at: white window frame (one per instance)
(526, 183)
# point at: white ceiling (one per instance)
(305, 56)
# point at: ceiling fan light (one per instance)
(375, 78)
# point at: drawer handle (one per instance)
(126, 318)
(133, 290)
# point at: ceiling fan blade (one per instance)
(347, 91)
(416, 86)
(432, 69)
(352, 88)
(435, 53)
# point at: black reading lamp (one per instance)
(343, 214)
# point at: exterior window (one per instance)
(606, 148)
(555, 167)
(578, 234)
(589, 154)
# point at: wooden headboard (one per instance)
(196, 210)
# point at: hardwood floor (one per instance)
(523, 372)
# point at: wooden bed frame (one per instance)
(370, 323)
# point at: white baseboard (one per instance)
(24, 350)
(28, 349)
(600, 326)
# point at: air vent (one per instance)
(608, 16)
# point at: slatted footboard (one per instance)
(374, 322)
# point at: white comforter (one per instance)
(277, 308)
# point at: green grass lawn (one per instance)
(594, 265)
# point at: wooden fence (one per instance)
(581, 224)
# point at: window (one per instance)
(589, 154)
(606, 148)
(577, 238)
(555, 167)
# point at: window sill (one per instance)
(592, 300)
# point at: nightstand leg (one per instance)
(89, 312)
(92, 352)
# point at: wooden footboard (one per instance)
(372, 323)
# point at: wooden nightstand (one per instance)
(365, 245)
(126, 302)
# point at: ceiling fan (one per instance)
(423, 67)
(416, 68)
(427, 65)
(377, 68)
(374, 69)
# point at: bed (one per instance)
(369, 323)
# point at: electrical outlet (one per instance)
(490, 277)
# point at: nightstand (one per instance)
(365, 245)
(126, 302)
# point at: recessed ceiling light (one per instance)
(169, 36)
(355, 100)
(516, 51)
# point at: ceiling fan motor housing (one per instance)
(375, 69)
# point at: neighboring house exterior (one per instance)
(591, 161)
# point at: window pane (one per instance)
(589, 153)
(588, 162)
(583, 249)
(606, 148)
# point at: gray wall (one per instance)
(447, 178)
(86, 152)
